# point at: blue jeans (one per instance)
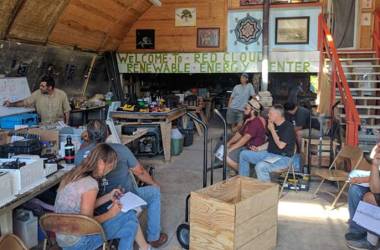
(123, 226)
(263, 169)
(355, 195)
(152, 196)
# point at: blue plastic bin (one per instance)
(9, 122)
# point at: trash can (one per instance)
(188, 135)
(176, 142)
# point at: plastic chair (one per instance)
(355, 157)
(71, 224)
(11, 242)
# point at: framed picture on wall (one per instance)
(144, 39)
(366, 4)
(208, 37)
(250, 2)
(185, 17)
(292, 30)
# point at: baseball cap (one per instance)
(245, 75)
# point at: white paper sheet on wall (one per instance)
(13, 89)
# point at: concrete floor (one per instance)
(304, 223)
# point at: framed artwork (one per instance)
(144, 39)
(185, 17)
(366, 4)
(365, 19)
(208, 37)
(292, 30)
(250, 2)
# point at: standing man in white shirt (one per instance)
(241, 94)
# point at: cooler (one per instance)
(9, 122)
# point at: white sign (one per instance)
(219, 62)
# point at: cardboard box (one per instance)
(4, 137)
(45, 134)
(240, 213)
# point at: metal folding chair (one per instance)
(71, 224)
(355, 157)
(11, 242)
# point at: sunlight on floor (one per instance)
(311, 211)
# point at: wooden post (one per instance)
(88, 75)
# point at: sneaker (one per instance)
(160, 242)
(355, 236)
(359, 244)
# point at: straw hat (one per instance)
(254, 104)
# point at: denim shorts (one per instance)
(234, 116)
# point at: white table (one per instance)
(6, 218)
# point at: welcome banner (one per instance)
(218, 62)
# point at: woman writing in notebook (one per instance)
(77, 194)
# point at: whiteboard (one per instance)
(13, 89)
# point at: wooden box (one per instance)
(240, 213)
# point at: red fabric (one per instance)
(256, 129)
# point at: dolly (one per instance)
(183, 230)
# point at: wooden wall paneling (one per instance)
(8, 11)
(365, 32)
(97, 25)
(169, 38)
(125, 21)
(35, 20)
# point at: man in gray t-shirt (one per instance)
(240, 96)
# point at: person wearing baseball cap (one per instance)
(251, 134)
(241, 93)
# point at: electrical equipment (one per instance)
(26, 171)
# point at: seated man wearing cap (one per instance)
(251, 135)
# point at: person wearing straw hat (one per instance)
(251, 134)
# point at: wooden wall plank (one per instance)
(7, 11)
(98, 24)
(35, 20)
(169, 38)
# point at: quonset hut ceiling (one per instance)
(96, 25)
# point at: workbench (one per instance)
(6, 218)
(164, 119)
(125, 139)
(84, 113)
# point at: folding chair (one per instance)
(287, 170)
(11, 242)
(355, 157)
(71, 224)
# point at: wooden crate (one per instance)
(240, 213)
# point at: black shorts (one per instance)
(377, 198)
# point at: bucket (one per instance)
(176, 142)
(188, 136)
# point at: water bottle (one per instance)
(69, 151)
